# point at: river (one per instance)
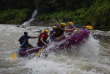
(92, 57)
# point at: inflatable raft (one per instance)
(74, 39)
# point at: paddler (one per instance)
(43, 38)
(70, 26)
(59, 32)
(52, 32)
(25, 38)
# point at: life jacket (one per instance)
(59, 32)
(44, 39)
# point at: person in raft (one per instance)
(70, 26)
(52, 31)
(43, 38)
(59, 32)
(25, 38)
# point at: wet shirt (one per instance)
(23, 38)
(59, 32)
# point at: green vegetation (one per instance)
(13, 16)
(82, 12)
(15, 11)
(96, 15)
(99, 14)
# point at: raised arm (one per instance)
(69, 30)
(34, 37)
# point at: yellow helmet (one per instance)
(46, 31)
(70, 23)
(63, 24)
(53, 26)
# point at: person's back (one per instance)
(59, 32)
(25, 38)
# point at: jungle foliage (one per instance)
(15, 11)
(82, 12)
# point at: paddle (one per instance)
(89, 27)
(43, 46)
(14, 56)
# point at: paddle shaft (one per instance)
(88, 26)
(14, 55)
(20, 46)
(49, 38)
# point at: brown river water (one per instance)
(92, 57)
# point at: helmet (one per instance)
(25, 32)
(46, 31)
(53, 26)
(63, 24)
(70, 23)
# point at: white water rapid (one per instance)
(91, 57)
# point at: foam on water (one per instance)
(90, 49)
(64, 63)
(86, 58)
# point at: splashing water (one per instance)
(90, 49)
(64, 63)
(91, 57)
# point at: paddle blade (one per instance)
(39, 52)
(14, 56)
(89, 27)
